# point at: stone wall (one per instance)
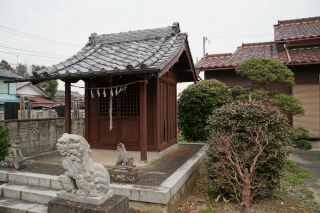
(40, 135)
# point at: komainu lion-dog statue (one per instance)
(83, 177)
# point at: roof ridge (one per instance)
(136, 35)
(258, 43)
(299, 20)
(218, 55)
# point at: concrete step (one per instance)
(28, 193)
(19, 206)
(32, 179)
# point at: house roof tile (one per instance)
(4, 73)
(255, 50)
(297, 29)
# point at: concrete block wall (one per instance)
(41, 135)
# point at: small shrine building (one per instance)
(130, 87)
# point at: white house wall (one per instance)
(29, 90)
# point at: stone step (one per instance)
(19, 206)
(32, 179)
(28, 193)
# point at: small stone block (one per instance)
(83, 199)
(124, 176)
(3, 176)
(115, 204)
(17, 164)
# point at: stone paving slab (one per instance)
(18, 206)
(28, 193)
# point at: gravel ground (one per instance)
(310, 161)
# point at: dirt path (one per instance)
(310, 161)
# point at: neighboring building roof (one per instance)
(243, 53)
(41, 102)
(21, 85)
(270, 50)
(4, 73)
(74, 94)
(150, 49)
(285, 30)
(297, 29)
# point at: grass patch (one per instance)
(308, 193)
(201, 201)
(300, 173)
(292, 179)
(180, 138)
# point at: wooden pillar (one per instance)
(87, 112)
(143, 121)
(29, 107)
(67, 107)
(21, 100)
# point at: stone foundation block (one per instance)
(44, 136)
(83, 199)
(52, 122)
(23, 125)
(44, 129)
(33, 123)
(12, 125)
(13, 132)
(115, 204)
(17, 164)
(123, 176)
(34, 137)
(3, 176)
(52, 128)
(24, 138)
(43, 123)
(60, 121)
(23, 132)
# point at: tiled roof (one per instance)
(213, 60)
(306, 55)
(41, 102)
(4, 73)
(297, 29)
(22, 84)
(261, 50)
(74, 94)
(150, 49)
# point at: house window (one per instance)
(4, 88)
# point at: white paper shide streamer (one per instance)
(110, 108)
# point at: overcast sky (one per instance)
(24, 23)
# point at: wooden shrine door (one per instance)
(125, 116)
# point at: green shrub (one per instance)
(4, 144)
(244, 114)
(299, 136)
(303, 144)
(196, 103)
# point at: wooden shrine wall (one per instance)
(167, 110)
(161, 114)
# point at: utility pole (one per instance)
(204, 45)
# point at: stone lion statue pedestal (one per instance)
(124, 171)
(85, 184)
(15, 158)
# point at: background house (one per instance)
(8, 95)
(297, 45)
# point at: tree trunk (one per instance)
(245, 195)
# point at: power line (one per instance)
(19, 53)
(39, 30)
(20, 44)
(32, 51)
(240, 36)
(37, 38)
